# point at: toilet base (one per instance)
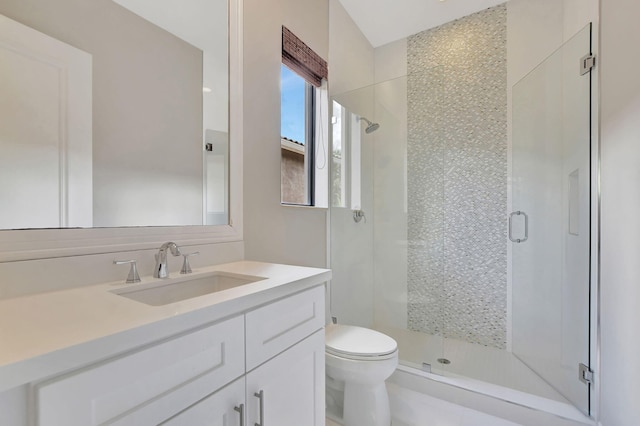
(366, 405)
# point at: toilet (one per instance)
(359, 360)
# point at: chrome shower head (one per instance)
(371, 127)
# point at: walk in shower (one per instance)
(462, 225)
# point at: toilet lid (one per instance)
(349, 340)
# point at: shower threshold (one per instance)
(478, 369)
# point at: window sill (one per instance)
(302, 206)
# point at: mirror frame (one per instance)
(20, 245)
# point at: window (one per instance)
(297, 101)
(301, 74)
(346, 159)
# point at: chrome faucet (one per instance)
(161, 270)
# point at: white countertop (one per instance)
(50, 333)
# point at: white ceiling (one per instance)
(198, 22)
(384, 21)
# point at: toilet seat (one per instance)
(358, 343)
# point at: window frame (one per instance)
(310, 109)
(310, 143)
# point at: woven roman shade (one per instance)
(300, 58)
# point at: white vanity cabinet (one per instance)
(208, 376)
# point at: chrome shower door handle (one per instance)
(526, 227)
(240, 409)
(260, 396)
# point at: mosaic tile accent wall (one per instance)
(457, 179)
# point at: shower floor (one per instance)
(495, 366)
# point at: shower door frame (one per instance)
(594, 205)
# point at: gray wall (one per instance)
(147, 109)
(457, 179)
(276, 233)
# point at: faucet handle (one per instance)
(186, 268)
(133, 276)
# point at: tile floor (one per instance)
(409, 408)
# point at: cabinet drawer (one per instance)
(149, 386)
(280, 325)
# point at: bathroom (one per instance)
(434, 184)
(262, 229)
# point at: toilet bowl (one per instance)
(363, 359)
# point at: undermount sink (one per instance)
(183, 288)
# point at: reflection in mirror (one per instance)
(115, 113)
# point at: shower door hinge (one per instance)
(585, 374)
(587, 63)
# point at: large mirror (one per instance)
(114, 113)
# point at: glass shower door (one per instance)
(550, 223)
(388, 263)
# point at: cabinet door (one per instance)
(292, 386)
(219, 409)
